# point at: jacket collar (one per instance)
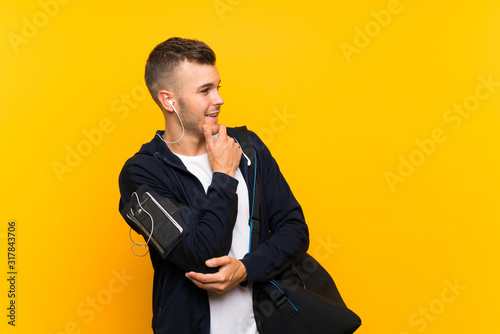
(159, 149)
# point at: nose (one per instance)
(217, 99)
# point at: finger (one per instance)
(214, 287)
(208, 283)
(194, 276)
(199, 278)
(196, 282)
(209, 140)
(222, 132)
(217, 261)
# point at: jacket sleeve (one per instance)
(210, 224)
(289, 235)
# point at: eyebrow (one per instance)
(208, 85)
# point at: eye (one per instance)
(205, 91)
(218, 87)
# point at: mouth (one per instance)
(213, 115)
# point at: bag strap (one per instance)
(279, 299)
(248, 148)
(271, 287)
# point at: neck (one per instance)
(189, 145)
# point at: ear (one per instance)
(164, 96)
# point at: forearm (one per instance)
(278, 253)
(209, 217)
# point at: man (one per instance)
(205, 283)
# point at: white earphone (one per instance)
(182, 125)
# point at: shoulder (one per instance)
(136, 171)
(145, 160)
(256, 141)
(139, 164)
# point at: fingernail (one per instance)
(205, 127)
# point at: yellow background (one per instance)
(337, 123)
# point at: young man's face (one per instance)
(198, 97)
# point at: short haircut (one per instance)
(167, 56)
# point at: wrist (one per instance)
(243, 272)
(230, 173)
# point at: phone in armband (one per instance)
(158, 219)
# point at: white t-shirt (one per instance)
(232, 311)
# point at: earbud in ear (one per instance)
(180, 121)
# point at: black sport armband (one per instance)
(156, 218)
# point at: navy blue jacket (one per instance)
(179, 306)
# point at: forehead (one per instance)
(192, 75)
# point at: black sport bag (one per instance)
(304, 298)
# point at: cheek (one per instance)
(197, 107)
(201, 105)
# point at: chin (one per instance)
(215, 129)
